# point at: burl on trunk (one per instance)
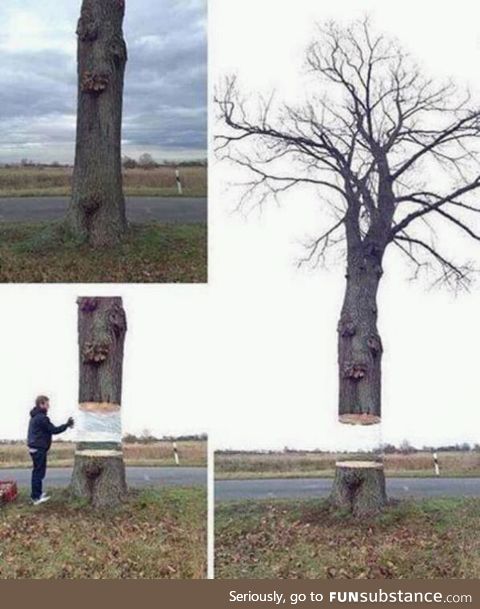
(97, 207)
(99, 471)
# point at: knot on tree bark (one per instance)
(91, 203)
(118, 49)
(346, 328)
(353, 478)
(88, 305)
(94, 83)
(372, 256)
(121, 6)
(375, 344)
(93, 470)
(118, 320)
(355, 372)
(87, 29)
(95, 353)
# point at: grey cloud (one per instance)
(165, 91)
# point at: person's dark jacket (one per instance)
(41, 429)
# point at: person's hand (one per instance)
(70, 422)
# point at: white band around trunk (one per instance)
(98, 452)
(98, 426)
(360, 464)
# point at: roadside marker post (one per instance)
(179, 182)
(175, 454)
(435, 463)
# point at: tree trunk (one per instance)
(359, 487)
(97, 207)
(99, 470)
(360, 348)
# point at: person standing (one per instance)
(40, 432)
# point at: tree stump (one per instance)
(97, 207)
(359, 487)
(99, 470)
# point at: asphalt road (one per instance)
(310, 488)
(139, 477)
(179, 210)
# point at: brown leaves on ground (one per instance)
(307, 540)
(151, 253)
(154, 535)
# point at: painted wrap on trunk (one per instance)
(99, 426)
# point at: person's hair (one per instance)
(41, 399)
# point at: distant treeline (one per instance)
(131, 438)
(145, 161)
(406, 448)
(389, 449)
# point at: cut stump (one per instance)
(359, 487)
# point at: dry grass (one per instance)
(154, 535)
(192, 454)
(431, 539)
(56, 181)
(316, 464)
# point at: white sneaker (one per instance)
(45, 496)
(41, 500)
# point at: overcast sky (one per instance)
(166, 79)
(278, 324)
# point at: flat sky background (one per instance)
(279, 324)
(165, 109)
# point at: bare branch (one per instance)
(451, 274)
(372, 133)
(317, 248)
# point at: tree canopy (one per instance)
(394, 153)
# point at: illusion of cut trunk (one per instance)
(99, 470)
(359, 484)
(97, 207)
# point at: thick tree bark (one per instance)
(359, 487)
(99, 471)
(97, 207)
(359, 345)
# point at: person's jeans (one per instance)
(39, 470)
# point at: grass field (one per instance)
(191, 454)
(303, 464)
(431, 539)
(151, 253)
(56, 181)
(154, 535)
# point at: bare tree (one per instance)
(395, 156)
(97, 207)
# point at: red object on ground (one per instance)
(8, 491)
